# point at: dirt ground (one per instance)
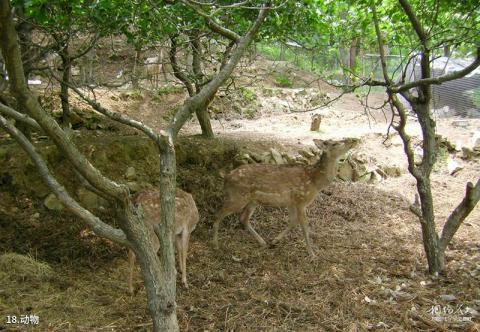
(369, 273)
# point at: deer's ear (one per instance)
(319, 143)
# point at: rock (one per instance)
(52, 203)
(301, 160)
(307, 154)
(476, 140)
(453, 166)
(277, 157)
(90, 200)
(244, 159)
(288, 159)
(256, 157)
(374, 177)
(460, 123)
(447, 297)
(467, 153)
(345, 171)
(134, 186)
(364, 178)
(316, 121)
(392, 171)
(131, 173)
(443, 142)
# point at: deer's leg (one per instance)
(292, 216)
(185, 240)
(229, 207)
(302, 220)
(131, 265)
(245, 219)
(179, 249)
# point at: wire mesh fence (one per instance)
(460, 97)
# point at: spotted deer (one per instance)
(294, 187)
(186, 219)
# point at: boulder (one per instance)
(476, 140)
(392, 171)
(345, 171)
(453, 166)
(276, 157)
(307, 154)
(131, 173)
(52, 203)
(90, 200)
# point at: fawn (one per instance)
(294, 187)
(186, 219)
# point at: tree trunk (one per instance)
(157, 282)
(66, 74)
(435, 254)
(204, 120)
(446, 51)
(354, 50)
(165, 234)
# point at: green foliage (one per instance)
(168, 89)
(476, 97)
(247, 94)
(283, 81)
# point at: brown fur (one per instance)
(186, 219)
(294, 187)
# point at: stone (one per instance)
(392, 171)
(316, 121)
(460, 123)
(256, 157)
(244, 159)
(277, 157)
(467, 153)
(307, 154)
(90, 200)
(52, 203)
(288, 158)
(476, 140)
(131, 173)
(453, 166)
(345, 171)
(447, 297)
(374, 178)
(134, 186)
(266, 158)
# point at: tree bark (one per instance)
(421, 106)
(64, 84)
(204, 120)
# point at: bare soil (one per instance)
(369, 274)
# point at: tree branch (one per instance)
(211, 87)
(18, 85)
(417, 26)
(98, 226)
(440, 79)
(117, 116)
(8, 111)
(214, 26)
(176, 69)
(472, 196)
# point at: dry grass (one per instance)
(369, 274)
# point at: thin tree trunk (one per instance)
(157, 280)
(435, 256)
(204, 120)
(164, 230)
(66, 74)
